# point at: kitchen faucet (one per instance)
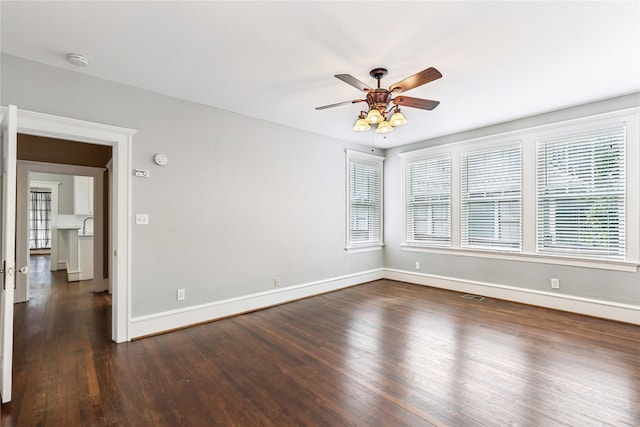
(84, 225)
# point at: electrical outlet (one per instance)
(181, 294)
(417, 265)
(276, 282)
(555, 283)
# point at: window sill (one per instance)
(543, 259)
(358, 249)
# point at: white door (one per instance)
(8, 140)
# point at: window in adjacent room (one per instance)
(364, 201)
(39, 219)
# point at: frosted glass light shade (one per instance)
(398, 119)
(384, 127)
(374, 116)
(361, 126)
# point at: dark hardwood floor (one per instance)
(380, 354)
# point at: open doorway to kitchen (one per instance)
(48, 129)
(63, 211)
(63, 223)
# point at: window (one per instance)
(563, 193)
(40, 219)
(364, 200)
(491, 198)
(581, 194)
(428, 201)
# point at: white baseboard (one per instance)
(591, 307)
(174, 319)
(72, 275)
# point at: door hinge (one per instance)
(6, 272)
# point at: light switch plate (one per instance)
(142, 219)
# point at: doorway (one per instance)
(119, 140)
(79, 232)
(14, 122)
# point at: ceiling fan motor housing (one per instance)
(379, 99)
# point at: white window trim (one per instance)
(378, 161)
(528, 137)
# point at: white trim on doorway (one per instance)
(120, 139)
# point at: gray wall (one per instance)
(599, 284)
(242, 201)
(65, 189)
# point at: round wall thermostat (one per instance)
(161, 159)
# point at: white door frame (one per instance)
(120, 139)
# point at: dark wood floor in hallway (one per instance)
(380, 354)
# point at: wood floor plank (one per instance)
(383, 353)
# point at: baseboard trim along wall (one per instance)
(175, 319)
(590, 307)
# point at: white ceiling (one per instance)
(276, 60)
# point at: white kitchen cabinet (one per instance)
(83, 195)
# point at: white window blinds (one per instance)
(364, 205)
(581, 194)
(490, 191)
(428, 201)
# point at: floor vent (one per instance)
(473, 297)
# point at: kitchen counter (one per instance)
(75, 252)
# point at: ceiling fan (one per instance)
(379, 99)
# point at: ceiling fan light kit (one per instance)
(379, 99)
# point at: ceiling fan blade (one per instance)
(424, 76)
(324, 107)
(349, 79)
(407, 101)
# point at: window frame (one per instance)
(437, 157)
(35, 218)
(377, 162)
(528, 137)
(575, 194)
(466, 199)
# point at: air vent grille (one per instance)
(473, 297)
